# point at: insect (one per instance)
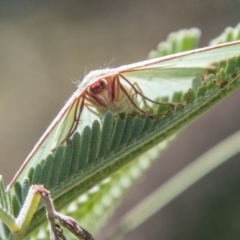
(118, 90)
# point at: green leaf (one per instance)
(183, 40)
(230, 34)
(6, 211)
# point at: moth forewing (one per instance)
(200, 58)
(163, 76)
(152, 78)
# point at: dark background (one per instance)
(46, 45)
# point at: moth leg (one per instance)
(140, 90)
(77, 115)
(143, 96)
(123, 89)
(89, 107)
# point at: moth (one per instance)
(121, 90)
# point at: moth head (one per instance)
(98, 86)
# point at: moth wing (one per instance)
(161, 77)
(53, 137)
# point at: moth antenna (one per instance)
(108, 66)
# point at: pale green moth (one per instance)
(123, 90)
